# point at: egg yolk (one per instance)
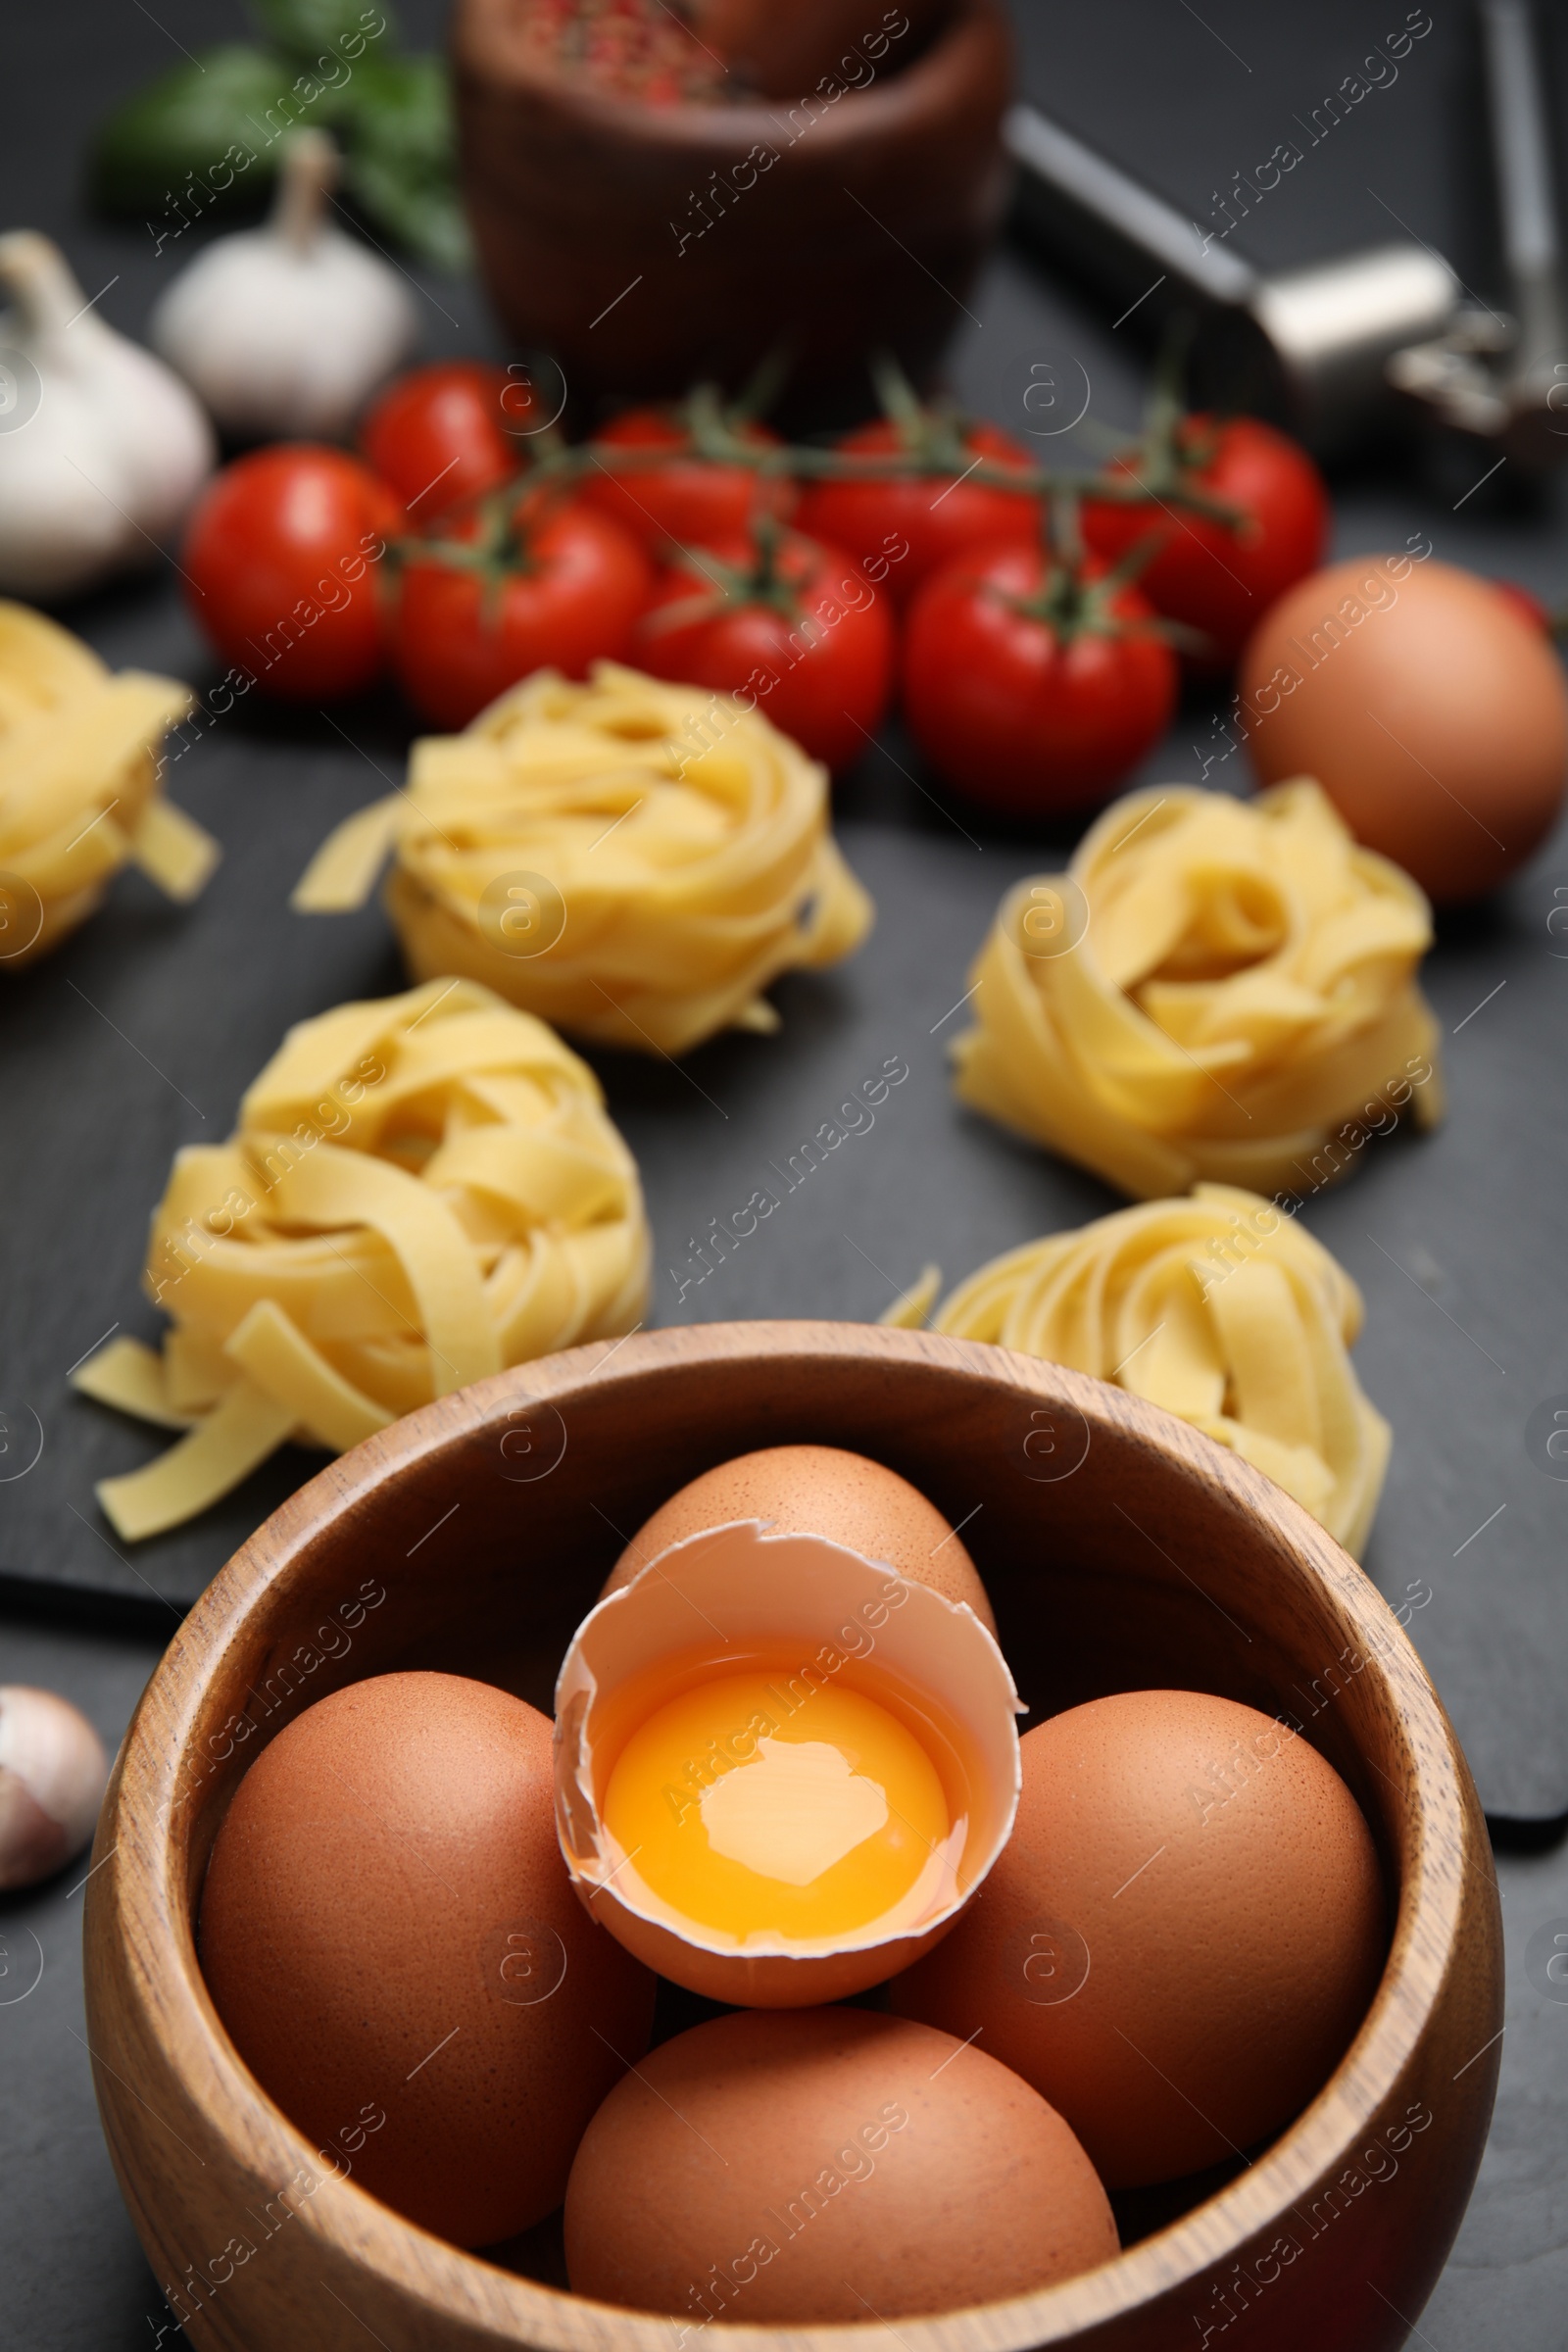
(749, 1809)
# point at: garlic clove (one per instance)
(285, 330)
(107, 466)
(53, 1772)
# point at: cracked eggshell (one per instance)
(818, 1491)
(751, 1587)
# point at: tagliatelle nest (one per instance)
(422, 1192)
(1212, 988)
(632, 860)
(1220, 1308)
(78, 785)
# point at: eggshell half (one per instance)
(835, 1610)
(826, 2165)
(1181, 1939)
(387, 1930)
(817, 1491)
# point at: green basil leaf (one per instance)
(401, 168)
(185, 126)
(306, 30)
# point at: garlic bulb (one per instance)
(53, 1772)
(104, 448)
(286, 330)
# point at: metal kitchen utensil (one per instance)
(1506, 379)
(1310, 347)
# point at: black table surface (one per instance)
(140, 1034)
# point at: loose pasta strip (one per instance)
(421, 1191)
(1219, 1307)
(633, 860)
(1215, 989)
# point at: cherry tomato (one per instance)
(283, 554)
(1207, 575)
(443, 433)
(692, 500)
(560, 587)
(936, 514)
(1528, 606)
(1031, 689)
(788, 625)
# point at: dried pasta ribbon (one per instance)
(632, 860)
(79, 790)
(1212, 989)
(422, 1190)
(1220, 1308)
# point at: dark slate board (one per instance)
(142, 1033)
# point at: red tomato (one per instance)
(1034, 695)
(440, 434)
(692, 501)
(1207, 574)
(281, 554)
(562, 594)
(796, 628)
(936, 515)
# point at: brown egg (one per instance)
(818, 1491)
(826, 2165)
(391, 1939)
(1432, 712)
(1181, 1939)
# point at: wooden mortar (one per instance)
(649, 247)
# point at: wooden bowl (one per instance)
(1121, 1551)
(648, 247)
